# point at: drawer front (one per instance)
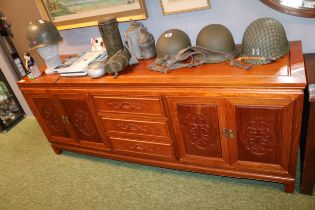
(138, 127)
(140, 148)
(149, 106)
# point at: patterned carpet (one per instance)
(33, 177)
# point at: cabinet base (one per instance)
(289, 182)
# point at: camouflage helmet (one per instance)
(218, 38)
(42, 33)
(264, 41)
(171, 42)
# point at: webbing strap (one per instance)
(178, 61)
(193, 53)
(228, 56)
(256, 58)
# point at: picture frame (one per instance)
(66, 14)
(170, 7)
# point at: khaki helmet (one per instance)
(171, 42)
(42, 33)
(218, 38)
(264, 41)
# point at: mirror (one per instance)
(302, 8)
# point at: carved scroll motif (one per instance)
(141, 148)
(132, 127)
(126, 105)
(199, 132)
(258, 137)
(82, 122)
(52, 119)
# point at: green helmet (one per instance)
(42, 33)
(264, 41)
(218, 38)
(171, 42)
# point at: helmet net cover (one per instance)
(264, 39)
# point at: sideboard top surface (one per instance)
(287, 72)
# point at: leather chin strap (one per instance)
(256, 58)
(184, 58)
(180, 59)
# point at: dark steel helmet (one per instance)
(218, 38)
(171, 42)
(264, 41)
(42, 33)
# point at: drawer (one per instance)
(141, 105)
(142, 149)
(138, 127)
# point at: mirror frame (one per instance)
(301, 12)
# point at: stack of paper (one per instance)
(80, 65)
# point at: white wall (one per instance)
(234, 14)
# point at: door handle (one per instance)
(63, 118)
(228, 133)
(67, 120)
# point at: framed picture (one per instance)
(176, 6)
(68, 14)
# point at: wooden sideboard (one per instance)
(215, 119)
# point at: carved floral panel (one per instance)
(200, 129)
(259, 133)
(52, 120)
(81, 119)
(49, 112)
(83, 123)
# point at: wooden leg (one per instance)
(308, 173)
(307, 189)
(57, 150)
(289, 187)
(308, 177)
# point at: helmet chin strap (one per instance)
(184, 58)
(181, 59)
(256, 58)
(228, 56)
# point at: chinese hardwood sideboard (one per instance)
(215, 119)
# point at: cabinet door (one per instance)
(197, 123)
(261, 137)
(80, 119)
(49, 114)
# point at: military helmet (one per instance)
(171, 42)
(42, 33)
(264, 40)
(218, 38)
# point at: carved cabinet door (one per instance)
(197, 122)
(50, 116)
(81, 120)
(260, 137)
